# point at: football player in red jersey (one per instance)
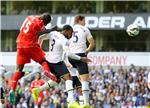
(28, 48)
(35, 84)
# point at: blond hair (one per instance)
(78, 18)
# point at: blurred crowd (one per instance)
(73, 7)
(110, 88)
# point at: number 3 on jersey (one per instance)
(25, 26)
(52, 44)
(76, 37)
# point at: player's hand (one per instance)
(86, 52)
(85, 59)
(69, 65)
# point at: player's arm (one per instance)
(68, 64)
(42, 38)
(91, 42)
(76, 57)
(32, 86)
(72, 55)
(47, 30)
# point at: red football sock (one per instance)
(48, 73)
(46, 68)
(15, 78)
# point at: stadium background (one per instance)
(109, 37)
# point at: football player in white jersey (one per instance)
(78, 46)
(58, 43)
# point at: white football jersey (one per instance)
(57, 44)
(79, 38)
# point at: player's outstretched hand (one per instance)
(85, 59)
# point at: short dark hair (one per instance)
(67, 27)
(46, 17)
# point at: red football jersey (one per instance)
(28, 32)
(36, 83)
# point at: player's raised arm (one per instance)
(41, 38)
(47, 30)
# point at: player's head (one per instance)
(79, 19)
(67, 31)
(46, 17)
(38, 76)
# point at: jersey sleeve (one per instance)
(65, 58)
(65, 45)
(67, 51)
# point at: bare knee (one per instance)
(84, 77)
(79, 91)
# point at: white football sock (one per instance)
(70, 90)
(47, 85)
(81, 100)
(85, 91)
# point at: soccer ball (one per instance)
(132, 30)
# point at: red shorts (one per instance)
(24, 55)
(40, 99)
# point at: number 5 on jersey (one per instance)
(25, 26)
(76, 37)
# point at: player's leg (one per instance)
(16, 76)
(40, 99)
(63, 72)
(46, 85)
(21, 60)
(38, 55)
(84, 77)
(85, 89)
(80, 95)
(77, 85)
(2, 102)
(70, 90)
